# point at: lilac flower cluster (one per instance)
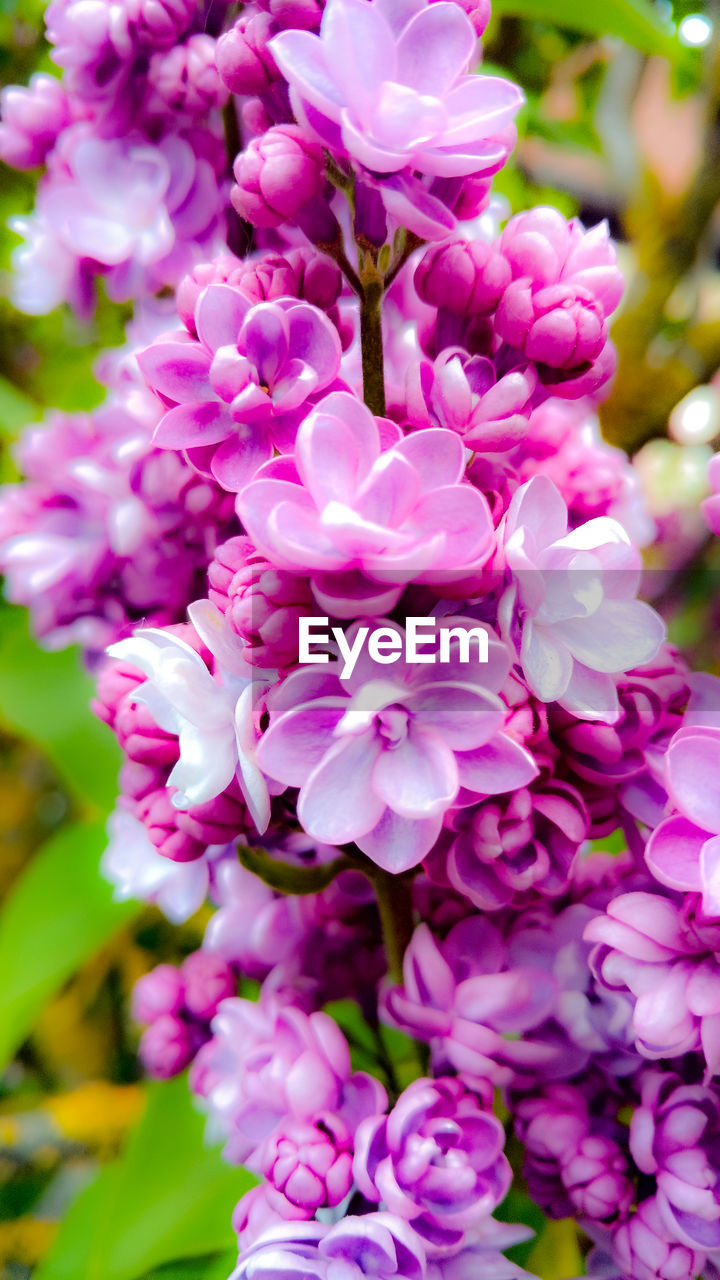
(368, 406)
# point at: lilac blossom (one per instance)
(376, 1245)
(388, 87)
(674, 1137)
(263, 604)
(436, 1160)
(213, 716)
(462, 997)
(397, 746)
(684, 850)
(570, 609)
(271, 1062)
(365, 511)
(242, 388)
(666, 958)
(136, 211)
(32, 120)
(463, 394)
(136, 870)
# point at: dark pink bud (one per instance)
(158, 23)
(191, 286)
(167, 1047)
(310, 1163)
(115, 681)
(243, 61)
(276, 175)
(187, 79)
(217, 821)
(157, 993)
(303, 15)
(141, 738)
(208, 979)
(160, 820)
(466, 277)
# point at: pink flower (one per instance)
(570, 609)
(276, 175)
(684, 851)
(361, 503)
(464, 394)
(239, 391)
(399, 749)
(387, 85)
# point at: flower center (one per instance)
(393, 723)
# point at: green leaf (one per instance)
(16, 409)
(169, 1198)
(635, 21)
(46, 697)
(556, 1255)
(58, 913)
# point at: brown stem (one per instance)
(394, 902)
(372, 346)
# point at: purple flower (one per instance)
(462, 998)
(522, 842)
(467, 277)
(674, 1137)
(565, 284)
(436, 1160)
(276, 175)
(136, 869)
(684, 851)
(464, 394)
(399, 748)
(309, 1163)
(263, 604)
(644, 1249)
(667, 958)
(32, 119)
(387, 86)
(186, 78)
(168, 1046)
(241, 389)
(570, 609)
(376, 1245)
(366, 511)
(269, 1063)
(213, 716)
(244, 61)
(137, 211)
(158, 992)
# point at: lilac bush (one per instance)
(358, 581)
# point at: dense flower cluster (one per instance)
(358, 580)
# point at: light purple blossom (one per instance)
(365, 511)
(462, 997)
(242, 388)
(400, 748)
(32, 119)
(136, 870)
(376, 1245)
(674, 1138)
(464, 394)
(436, 1160)
(684, 851)
(271, 1062)
(570, 609)
(388, 86)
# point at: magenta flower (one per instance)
(276, 175)
(669, 960)
(684, 851)
(365, 512)
(399, 749)
(461, 997)
(464, 394)
(644, 1248)
(388, 86)
(269, 1063)
(570, 609)
(373, 1246)
(674, 1137)
(436, 1160)
(32, 119)
(240, 390)
(309, 1164)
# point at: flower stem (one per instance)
(372, 347)
(394, 902)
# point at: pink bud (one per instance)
(276, 175)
